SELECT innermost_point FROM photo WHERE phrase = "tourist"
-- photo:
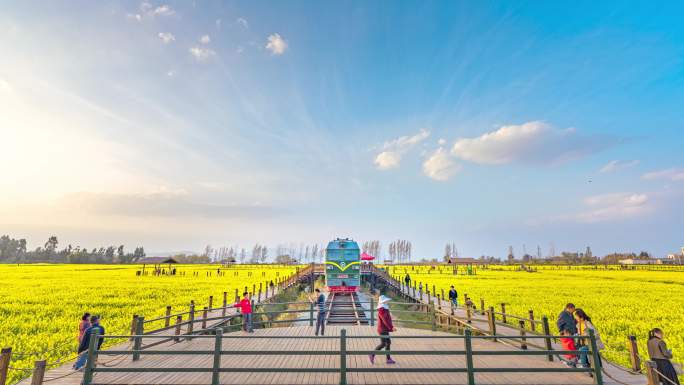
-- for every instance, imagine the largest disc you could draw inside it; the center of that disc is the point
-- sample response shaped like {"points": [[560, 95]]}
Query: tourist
{"points": [[245, 306], [385, 326], [453, 296], [568, 343], [583, 326], [407, 280], [320, 303], [661, 355], [83, 326], [420, 287], [566, 320], [85, 341]]}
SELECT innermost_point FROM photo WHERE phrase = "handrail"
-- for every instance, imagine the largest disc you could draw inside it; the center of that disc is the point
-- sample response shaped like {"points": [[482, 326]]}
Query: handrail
{"points": [[342, 352]]}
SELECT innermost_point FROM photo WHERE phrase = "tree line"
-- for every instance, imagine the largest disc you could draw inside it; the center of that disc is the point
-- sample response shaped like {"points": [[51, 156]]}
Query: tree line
{"points": [[15, 251]]}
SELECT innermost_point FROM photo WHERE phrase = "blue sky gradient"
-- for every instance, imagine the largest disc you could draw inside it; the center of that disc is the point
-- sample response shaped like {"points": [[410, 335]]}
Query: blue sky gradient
{"points": [[178, 124]]}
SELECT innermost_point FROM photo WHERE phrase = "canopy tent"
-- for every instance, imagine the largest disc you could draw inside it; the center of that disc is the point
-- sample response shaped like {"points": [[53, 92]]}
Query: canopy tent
{"points": [[367, 257]]}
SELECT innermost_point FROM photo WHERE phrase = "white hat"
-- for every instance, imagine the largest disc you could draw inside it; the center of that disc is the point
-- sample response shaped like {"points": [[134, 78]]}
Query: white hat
{"points": [[382, 302]]}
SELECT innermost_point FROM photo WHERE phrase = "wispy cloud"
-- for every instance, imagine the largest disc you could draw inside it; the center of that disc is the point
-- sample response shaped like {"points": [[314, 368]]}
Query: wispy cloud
{"points": [[276, 44], [201, 53], [531, 142], [395, 149], [163, 10], [613, 206], [615, 165], [205, 39], [440, 166], [166, 37], [672, 174]]}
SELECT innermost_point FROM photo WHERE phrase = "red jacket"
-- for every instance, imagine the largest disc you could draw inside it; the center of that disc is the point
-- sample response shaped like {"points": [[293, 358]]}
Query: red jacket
{"points": [[245, 306], [384, 321], [568, 344]]}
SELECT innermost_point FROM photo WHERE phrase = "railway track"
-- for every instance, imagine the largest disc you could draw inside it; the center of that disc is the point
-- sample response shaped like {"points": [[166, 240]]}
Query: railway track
{"points": [[345, 308]]}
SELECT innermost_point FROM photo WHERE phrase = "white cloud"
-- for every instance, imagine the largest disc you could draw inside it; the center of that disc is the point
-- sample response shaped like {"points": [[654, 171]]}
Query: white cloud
{"points": [[218, 23], [439, 166], [441, 141], [276, 44], [201, 53], [613, 206], [673, 174], [615, 165], [166, 37], [242, 22], [393, 150], [205, 39], [531, 142], [163, 10], [5, 86], [171, 73], [387, 160]]}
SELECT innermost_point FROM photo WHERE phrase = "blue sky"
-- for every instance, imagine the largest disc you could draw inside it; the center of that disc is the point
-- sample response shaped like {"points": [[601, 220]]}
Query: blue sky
{"points": [[178, 124]]}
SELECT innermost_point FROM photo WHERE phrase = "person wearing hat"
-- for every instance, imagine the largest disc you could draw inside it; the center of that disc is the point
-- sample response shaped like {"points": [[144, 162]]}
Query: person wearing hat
{"points": [[385, 326], [85, 341]]}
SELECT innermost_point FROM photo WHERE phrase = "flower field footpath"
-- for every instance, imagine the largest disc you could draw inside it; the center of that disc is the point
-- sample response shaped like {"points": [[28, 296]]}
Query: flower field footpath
{"points": [[42, 304]]}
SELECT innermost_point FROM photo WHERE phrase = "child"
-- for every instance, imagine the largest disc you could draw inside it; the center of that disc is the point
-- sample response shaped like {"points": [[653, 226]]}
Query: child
{"points": [[568, 343]]}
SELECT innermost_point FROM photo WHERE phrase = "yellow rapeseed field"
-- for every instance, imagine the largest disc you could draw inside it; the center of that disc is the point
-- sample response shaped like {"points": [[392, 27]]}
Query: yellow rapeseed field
{"points": [[621, 303], [42, 304]]}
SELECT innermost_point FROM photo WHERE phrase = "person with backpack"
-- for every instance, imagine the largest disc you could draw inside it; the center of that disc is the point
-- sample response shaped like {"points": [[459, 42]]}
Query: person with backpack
{"points": [[661, 355], [85, 341], [385, 327]]}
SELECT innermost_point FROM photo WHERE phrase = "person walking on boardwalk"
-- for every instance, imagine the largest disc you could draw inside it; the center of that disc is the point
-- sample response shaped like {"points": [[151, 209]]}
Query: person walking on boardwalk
{"points": [[319, 301], [385, 326], [245, 306], [407, 280], [661, 355], [566, 320], [85, 342], [583, 326], [83, 326], [453, 296]]}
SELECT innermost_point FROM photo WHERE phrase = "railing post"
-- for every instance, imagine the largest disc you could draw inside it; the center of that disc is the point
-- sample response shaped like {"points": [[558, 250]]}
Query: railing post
{"points": [[259, 297], [469, 314], [311, 315], [492, 322], [503, 312], [652, 376], [167, 319], [343, 357], [179, 320], [204, 318], [595, 358], [92, 354], [634, 354], [237, 296], [443, 298], [5, 356], [225, 303], [523, 340], [191, 319], [533, 327], [547, 340], [253, 289], [217, 357], [469, 357], [38, 373], [137, 340], [433, 316], [482, 306], [372, 313], [211, 302], [134, 324]]}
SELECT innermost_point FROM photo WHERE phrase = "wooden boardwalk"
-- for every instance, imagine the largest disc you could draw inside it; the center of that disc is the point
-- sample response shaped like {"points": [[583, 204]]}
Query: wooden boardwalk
{"points": [[323, 361]]}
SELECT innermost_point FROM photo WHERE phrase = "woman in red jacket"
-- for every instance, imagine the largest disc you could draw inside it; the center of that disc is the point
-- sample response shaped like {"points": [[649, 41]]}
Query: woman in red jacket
{"points": [[385, 326]]}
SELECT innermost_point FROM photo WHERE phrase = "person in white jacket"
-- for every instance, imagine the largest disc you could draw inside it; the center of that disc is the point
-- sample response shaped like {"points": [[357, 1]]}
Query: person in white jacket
{"points": [[584, 324]]}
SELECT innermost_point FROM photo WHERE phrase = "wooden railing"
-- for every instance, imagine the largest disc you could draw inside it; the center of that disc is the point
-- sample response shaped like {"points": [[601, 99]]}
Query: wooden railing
{"points": [[343, 353]]}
